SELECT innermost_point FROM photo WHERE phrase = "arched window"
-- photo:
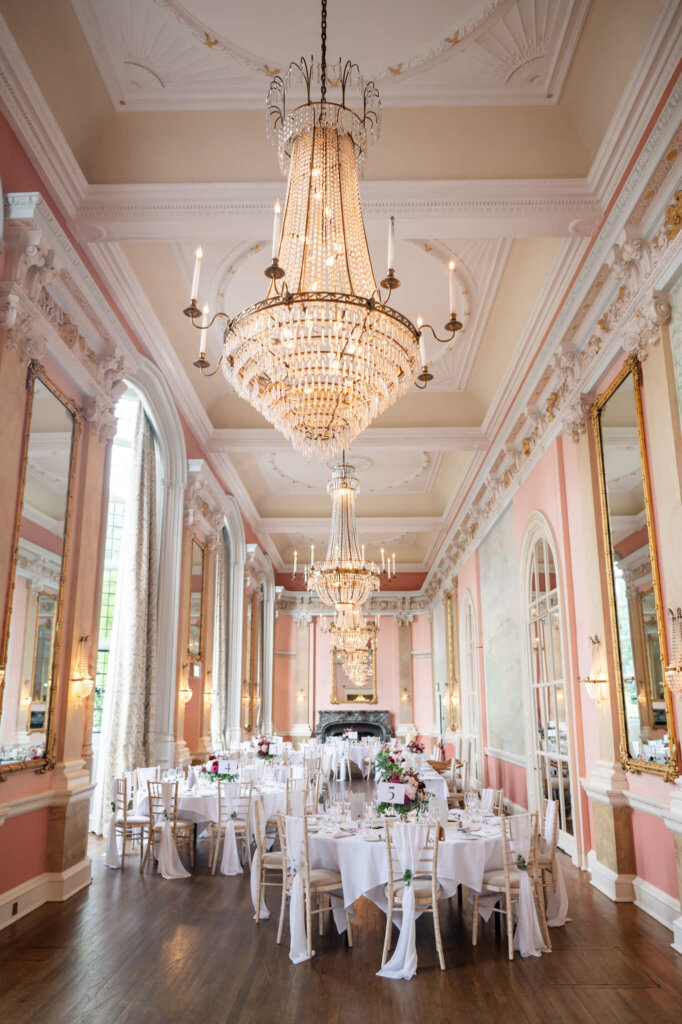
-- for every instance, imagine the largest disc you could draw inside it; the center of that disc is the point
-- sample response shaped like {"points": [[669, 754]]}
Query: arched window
{"points": [[551, 754], [470, 702]]}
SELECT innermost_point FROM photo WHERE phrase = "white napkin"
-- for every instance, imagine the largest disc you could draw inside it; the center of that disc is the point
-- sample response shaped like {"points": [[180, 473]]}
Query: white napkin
{"points": [[191, 778], [170, 865], [298, 943], [229, 864], [439, 807], [409, 840], [557, 902], [487, 801], [263, 913], [527, 937]]}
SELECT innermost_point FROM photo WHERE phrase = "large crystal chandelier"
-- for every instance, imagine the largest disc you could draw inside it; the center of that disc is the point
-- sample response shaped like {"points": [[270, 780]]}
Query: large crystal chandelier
{"points": [[323, 353], [344, 579], [349, 632]]}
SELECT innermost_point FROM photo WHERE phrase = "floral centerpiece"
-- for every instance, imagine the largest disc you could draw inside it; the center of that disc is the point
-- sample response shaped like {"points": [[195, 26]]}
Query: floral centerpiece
{"points": [[262, 746], [210, 770], [348, 734], [391, 767], [415, 747]]}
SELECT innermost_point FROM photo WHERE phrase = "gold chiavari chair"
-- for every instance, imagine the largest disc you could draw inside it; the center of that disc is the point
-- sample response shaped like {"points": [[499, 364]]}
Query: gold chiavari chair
{"points": [[183, 831], [505, 883], [128, 824], [545, 859], [424, 884], [319, 885]]}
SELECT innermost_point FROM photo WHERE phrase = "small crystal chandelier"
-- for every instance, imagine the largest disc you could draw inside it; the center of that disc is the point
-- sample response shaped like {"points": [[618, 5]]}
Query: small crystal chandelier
{"points": [[349, 632], [673, 671], [344, 579], [323, 354]]}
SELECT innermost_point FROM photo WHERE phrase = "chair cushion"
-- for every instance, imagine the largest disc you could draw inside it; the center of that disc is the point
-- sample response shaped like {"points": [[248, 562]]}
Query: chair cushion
{"points": [[320, 878], [496, 879], [420, 886], [272, 861], [133, 820]]}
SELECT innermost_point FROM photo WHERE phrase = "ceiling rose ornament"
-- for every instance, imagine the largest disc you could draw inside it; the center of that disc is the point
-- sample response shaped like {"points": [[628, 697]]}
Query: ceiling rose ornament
{"points": [[323, 354]]}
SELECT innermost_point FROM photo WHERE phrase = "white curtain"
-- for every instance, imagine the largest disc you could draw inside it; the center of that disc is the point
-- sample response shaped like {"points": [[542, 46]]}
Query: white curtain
{"points": [[219, 676], [126, 740]]}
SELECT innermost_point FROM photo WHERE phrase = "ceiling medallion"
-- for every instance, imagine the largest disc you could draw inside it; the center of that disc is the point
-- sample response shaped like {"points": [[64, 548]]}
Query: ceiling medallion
{"points": [[323, 354]]}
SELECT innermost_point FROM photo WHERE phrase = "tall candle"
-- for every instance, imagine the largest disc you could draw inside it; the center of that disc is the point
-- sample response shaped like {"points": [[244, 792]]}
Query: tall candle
{"points": [[312, 553], [203, 333], [391, 243], [363, 554], [197, 270], [383, 563], [295, 561], [394, 563], [451, 267], [275, 231]]}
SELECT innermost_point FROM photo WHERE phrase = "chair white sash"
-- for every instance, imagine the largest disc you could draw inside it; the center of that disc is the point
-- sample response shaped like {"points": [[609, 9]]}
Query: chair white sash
{"points": [[229, 865], [263, 913], [528, 936], [557, 900], [298, 943], [487, 799], [170, 865], [409, 840]]}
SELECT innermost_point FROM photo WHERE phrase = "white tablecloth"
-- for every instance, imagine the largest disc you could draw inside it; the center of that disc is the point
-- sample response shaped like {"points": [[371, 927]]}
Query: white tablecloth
{"points": [[202, 807], [363, 865]]}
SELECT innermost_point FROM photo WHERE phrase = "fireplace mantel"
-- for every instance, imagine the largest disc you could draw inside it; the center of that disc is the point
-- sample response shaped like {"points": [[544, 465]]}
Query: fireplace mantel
{"points": [[367, 723]]}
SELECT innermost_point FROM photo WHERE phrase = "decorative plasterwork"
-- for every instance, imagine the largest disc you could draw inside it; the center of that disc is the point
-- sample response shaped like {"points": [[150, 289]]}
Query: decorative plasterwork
{"points": [[159, 55], [41, 567], [389, 602], [632, 310]]}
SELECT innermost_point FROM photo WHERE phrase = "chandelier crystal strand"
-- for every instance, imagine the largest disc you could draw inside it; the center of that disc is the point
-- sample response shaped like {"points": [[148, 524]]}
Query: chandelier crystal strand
{"points": [[343, 578]]}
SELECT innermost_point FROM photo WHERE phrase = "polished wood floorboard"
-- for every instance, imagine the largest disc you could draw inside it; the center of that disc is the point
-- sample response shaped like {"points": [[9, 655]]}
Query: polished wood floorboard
{"points": [[137, 949]]}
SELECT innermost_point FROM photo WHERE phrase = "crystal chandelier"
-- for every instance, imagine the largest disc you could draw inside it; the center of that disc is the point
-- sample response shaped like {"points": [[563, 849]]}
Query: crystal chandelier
{"points": [[323, 353], [344, 579], [349, 632]]}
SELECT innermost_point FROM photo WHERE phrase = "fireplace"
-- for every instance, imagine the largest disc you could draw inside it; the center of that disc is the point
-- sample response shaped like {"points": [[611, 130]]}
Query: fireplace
{"points": [[365, 723]]}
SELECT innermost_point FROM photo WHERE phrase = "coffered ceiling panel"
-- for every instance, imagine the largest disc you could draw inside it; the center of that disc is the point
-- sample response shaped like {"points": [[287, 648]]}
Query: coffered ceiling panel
{"points": [[198, 54]]}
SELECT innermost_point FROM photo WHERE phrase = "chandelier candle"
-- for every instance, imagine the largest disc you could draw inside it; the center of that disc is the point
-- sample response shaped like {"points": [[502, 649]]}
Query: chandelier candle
{"points": [[194, 297], [391, 245], [275, 231], [451, 267], [204, 332]]}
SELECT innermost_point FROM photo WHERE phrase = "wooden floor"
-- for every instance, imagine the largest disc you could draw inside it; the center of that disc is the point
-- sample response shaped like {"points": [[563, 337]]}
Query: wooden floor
{"points": [[139, 949]]}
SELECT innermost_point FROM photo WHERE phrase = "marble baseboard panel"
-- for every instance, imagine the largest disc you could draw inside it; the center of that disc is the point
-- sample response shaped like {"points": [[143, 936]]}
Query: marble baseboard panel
{"points": [[618, 887], [50, 887]]}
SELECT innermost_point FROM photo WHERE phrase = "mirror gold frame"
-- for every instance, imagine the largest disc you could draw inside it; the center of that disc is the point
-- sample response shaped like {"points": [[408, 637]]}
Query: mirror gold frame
{"points": [[196, 655], [36, 371], [668, 770], [333, 699]]}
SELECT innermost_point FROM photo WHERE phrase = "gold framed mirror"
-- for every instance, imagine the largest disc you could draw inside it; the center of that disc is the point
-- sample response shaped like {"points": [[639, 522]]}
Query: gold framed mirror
{"points": [[196, 600], [647, 724], [344, 690], [30, 642]]}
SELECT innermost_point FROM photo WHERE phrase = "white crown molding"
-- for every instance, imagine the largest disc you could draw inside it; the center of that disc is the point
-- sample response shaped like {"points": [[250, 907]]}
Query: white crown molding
{"points": [[366, 524], [553, 207], [432, 439], [654, 69]]}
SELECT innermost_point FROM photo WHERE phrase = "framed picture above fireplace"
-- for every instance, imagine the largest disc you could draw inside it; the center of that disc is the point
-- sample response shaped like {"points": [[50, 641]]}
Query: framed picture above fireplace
{"points": [[344, 690]]}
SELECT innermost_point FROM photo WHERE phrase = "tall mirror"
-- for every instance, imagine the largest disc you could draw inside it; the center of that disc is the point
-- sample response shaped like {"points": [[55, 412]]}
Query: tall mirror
{"points": [[638, 623], [33, 615], [196, 601], [349, 690]]}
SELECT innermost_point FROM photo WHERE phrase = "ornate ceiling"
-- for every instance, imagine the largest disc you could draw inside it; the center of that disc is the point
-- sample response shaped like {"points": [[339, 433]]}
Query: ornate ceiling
{"points": [[507, 125]]}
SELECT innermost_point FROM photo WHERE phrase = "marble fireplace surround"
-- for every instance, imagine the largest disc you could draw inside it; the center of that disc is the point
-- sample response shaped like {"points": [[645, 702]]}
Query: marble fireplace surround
{"points": [[367, 723]]}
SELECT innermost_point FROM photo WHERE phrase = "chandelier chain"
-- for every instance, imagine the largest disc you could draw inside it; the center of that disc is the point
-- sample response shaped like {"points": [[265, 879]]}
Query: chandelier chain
{"points": [[323, 62]]}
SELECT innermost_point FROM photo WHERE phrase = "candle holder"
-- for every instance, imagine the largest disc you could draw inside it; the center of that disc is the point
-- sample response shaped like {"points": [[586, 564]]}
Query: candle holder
{"points": [[274, 271], [192, 311], [424, 376], [390, 282]]}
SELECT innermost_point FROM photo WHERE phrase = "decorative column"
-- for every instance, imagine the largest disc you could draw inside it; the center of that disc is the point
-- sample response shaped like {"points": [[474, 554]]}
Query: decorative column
{"points": [[405, 726], [304, 625], [168, 610]]}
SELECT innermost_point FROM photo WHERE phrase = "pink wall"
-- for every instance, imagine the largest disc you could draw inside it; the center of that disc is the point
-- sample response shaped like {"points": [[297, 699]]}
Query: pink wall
{"points": [[654, 851], [23, 845], [284, 682]]}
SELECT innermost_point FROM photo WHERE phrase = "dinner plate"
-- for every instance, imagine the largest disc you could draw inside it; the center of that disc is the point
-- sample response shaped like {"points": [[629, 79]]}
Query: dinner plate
{"points": [[373, 839]]}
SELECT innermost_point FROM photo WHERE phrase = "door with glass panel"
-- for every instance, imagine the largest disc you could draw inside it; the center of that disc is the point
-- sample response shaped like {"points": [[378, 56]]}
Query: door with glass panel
{"points": [[552, 763]]}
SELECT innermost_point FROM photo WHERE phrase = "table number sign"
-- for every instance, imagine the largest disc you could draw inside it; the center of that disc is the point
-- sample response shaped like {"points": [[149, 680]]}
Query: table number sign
{"points": [[391, 793], [224, 767], [233, 767]]}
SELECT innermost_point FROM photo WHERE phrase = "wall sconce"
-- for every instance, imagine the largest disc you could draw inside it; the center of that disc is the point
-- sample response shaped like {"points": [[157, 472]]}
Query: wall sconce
{"points": [[404, 696], [597, 683], [82, 679], [208, 697], [673, 671], [300, 697], [185, 693], [246, 696]]}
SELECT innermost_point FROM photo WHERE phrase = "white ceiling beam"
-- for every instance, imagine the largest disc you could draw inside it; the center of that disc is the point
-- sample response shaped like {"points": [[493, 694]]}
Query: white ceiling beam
{"points": [[554, 207], [366, 524], [432, 439]]}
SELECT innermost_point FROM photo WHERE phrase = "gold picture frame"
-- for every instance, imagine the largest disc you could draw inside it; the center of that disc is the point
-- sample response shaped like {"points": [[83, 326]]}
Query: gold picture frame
{"points": [[360, 698], [668, 770], [37, 372]]}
